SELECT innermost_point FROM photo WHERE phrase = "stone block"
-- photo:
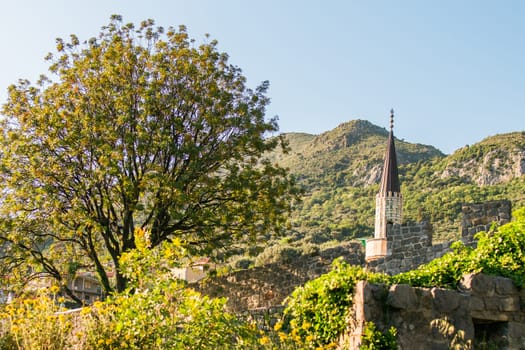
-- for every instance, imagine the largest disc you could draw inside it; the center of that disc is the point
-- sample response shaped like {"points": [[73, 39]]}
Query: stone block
{"points": [[476, 303], [490, 315], [446, 301], [509, 304], [402, 296], [478, 284], [415, 229], [397, 255], [505, 286], [492, 303]]}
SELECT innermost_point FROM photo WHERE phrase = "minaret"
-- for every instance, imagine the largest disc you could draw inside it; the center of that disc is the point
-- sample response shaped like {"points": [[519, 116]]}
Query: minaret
{"points": [[389, 202]]}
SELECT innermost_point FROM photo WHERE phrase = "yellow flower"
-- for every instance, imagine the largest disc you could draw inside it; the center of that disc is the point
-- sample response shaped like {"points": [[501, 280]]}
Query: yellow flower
{"points": [[54, 289], [278, 326], [283, 336], [309, 338], [264, 340]]}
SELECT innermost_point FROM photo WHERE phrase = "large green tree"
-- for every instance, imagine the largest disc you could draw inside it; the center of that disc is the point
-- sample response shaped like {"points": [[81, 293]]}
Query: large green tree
{"points": [[137, 128]]}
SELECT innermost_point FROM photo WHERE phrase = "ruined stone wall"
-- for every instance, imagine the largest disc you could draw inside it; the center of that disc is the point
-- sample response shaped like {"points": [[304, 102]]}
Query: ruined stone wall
{"points": [[480, 217], [487, 312], [266, 286], [408, 248], [411, 246]]}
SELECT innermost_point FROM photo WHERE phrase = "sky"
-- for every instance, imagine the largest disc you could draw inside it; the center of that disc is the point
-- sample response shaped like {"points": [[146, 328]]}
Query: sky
{"points": [[453, 71]]}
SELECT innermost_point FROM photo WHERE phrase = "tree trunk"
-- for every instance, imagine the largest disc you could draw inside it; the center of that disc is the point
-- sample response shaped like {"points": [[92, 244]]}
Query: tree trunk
{"points": [[72, 295]]}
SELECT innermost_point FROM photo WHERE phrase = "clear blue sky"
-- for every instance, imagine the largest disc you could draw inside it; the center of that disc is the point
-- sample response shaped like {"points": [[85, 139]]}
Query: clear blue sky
{"points": [[454, 71]]}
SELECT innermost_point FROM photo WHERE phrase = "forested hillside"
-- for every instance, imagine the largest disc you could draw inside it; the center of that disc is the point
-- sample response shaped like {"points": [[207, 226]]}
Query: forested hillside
{"points": [[340, 170]]}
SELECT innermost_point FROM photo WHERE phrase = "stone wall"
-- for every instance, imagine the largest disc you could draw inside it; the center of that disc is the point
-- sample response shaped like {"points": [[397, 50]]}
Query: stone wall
{"points": [[408, 248], [486, 312], [480, 217], [269, 285], [411, 246]]}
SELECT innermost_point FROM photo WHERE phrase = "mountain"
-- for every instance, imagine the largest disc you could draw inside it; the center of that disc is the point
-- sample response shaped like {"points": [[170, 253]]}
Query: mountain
{"points": [[351, 154], [340, 172]]}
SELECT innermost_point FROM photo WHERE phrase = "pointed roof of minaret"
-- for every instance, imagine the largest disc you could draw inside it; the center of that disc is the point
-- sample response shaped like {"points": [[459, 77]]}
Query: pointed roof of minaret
{"points": [[390, 176]]}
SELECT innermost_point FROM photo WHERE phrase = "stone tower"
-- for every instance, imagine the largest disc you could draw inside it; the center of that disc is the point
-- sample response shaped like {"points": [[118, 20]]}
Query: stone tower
{"points": [[389, 202]]}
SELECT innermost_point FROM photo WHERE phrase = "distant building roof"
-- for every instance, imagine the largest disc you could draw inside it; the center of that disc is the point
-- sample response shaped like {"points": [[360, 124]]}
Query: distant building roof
{"points": [[390, 176]]}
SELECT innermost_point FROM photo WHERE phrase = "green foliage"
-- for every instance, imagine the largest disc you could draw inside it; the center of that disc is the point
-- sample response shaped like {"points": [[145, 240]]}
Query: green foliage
{"points": [[138, 127], [277, 253], [318, 310], [499, 252], [502, 252], [165, 317], [443, 272], [374, 339]]}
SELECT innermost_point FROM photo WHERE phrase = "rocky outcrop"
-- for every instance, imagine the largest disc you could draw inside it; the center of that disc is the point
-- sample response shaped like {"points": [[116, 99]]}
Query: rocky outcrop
{"points": [[486, 312], [493, 168], [495, 160]]}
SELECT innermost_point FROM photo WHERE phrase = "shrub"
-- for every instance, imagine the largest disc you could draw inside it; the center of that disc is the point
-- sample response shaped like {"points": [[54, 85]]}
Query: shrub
{"points": [[166, 317], [277, 253], [34, 323], [444, 272], [374, 339], [244, 263], [318, 310], [502, 251], [499, 252]]}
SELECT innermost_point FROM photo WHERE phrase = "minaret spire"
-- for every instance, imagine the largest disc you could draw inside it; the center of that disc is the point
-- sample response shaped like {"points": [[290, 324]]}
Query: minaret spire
{"points": [[392, 120], [389, 201], [390, 176]]}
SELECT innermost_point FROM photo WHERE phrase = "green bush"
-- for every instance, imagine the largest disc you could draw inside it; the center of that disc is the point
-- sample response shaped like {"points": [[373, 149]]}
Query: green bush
{"points": [[374, 339], [244, 263], [166, 317], [318, 310], [277, 253], [499, 252], [444, 272]]}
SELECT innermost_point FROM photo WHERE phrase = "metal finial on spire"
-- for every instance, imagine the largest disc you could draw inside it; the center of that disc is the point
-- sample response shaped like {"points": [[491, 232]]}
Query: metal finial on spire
{"points": [[391, 119]]}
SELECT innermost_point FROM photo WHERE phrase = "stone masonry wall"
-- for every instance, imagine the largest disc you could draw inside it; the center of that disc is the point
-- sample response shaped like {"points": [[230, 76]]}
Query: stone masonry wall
{"points": [[408, 247], [266, 286], [486, 312], [480, 217], [411, 246]]}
